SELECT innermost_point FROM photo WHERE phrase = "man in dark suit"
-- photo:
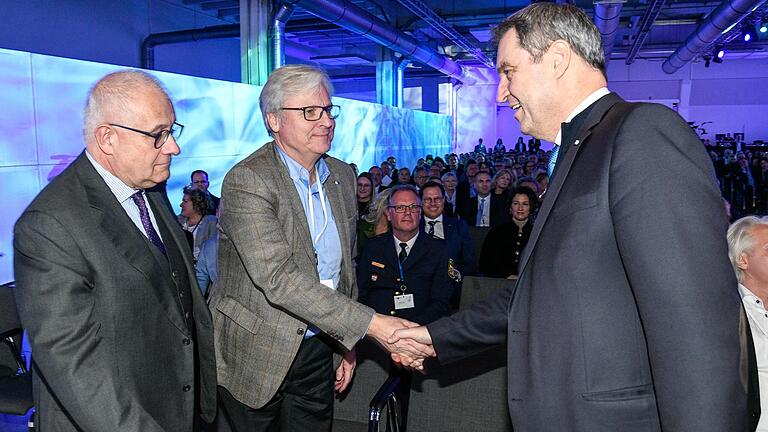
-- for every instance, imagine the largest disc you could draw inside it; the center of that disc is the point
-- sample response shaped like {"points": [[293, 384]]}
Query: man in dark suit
{"points": [[485, 209], [619, 321], [461, 247], [200, 181], [121, 335], [404, 273]]}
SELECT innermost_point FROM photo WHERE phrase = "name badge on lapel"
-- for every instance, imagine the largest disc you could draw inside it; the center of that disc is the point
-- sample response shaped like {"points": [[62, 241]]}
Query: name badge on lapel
{"points": [[404, 301]]}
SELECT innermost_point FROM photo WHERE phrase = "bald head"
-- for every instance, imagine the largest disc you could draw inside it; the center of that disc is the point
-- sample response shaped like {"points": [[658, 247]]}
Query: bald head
{"points": [[112, 99]]}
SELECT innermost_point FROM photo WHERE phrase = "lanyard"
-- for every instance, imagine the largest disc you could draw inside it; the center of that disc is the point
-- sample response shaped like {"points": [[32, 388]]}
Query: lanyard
{"points": [[312, 209]]}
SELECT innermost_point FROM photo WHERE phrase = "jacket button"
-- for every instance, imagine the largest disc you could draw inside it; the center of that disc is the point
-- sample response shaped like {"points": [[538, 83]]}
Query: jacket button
{"points": [[187, 388], [299, 331], [186, 341], [391, 312], [174, 274]]}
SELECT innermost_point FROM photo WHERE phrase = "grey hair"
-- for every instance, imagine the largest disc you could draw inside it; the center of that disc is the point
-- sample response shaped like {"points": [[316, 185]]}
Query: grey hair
{"points": [[448, 174], [113, 95], [740, 240], [403, 187], [290, 80], [377, 206], [540, 24]]}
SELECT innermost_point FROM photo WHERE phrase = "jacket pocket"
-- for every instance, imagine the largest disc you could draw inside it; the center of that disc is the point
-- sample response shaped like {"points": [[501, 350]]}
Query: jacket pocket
{"points": [[577, 204], [627, 393], [241, 315]]}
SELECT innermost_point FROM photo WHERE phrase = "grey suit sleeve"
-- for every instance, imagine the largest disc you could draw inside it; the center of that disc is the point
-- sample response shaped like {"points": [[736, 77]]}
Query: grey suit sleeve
{"points": [[662, 192], [55, 297], [251, 222]]}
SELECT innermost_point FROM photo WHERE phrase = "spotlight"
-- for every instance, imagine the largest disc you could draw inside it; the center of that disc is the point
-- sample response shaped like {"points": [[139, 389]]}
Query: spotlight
{"points": [[718, 54], [748, 35], [763, 27]]}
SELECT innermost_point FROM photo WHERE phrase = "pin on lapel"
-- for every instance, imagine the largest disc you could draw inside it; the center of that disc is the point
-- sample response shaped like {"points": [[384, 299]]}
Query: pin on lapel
{"points": [[336, 182]]}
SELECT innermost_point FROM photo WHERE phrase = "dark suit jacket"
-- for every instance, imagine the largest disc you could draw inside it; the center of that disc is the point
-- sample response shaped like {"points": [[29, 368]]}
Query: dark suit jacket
{"points": [[503, 248], [111, 346], [426, 277], [461, 247], [624, 317], [499, 211]]}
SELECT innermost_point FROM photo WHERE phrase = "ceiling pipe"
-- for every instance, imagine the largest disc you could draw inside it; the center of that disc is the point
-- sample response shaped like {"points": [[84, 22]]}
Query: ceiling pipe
{"points": [[153, 40], [722, 19], [644, 28], [357, 20], [607, 17], [277, 34]]}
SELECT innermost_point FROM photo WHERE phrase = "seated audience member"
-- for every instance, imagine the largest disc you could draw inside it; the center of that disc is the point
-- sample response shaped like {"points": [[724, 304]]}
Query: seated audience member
{"points": [[420, 176], [466, 186], [404, 273], [364, 193], [386, 172], [748, 252], [199, 180], [435, 171], [484, 210], [542, 179], [461, 247], [374, 222], [196, 219], [449, 184], [504, 244], [376, 176], [404, 176], [502, 184], [530, 183]]}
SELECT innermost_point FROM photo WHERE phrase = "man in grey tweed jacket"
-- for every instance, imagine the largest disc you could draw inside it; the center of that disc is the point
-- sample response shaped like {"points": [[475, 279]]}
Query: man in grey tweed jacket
{"points": [[285, 298]]}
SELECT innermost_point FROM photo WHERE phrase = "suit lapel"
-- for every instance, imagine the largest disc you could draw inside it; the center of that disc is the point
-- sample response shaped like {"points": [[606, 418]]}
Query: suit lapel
{"points": [[123, 234], [414, 255], [601, 107], [287, 187]]}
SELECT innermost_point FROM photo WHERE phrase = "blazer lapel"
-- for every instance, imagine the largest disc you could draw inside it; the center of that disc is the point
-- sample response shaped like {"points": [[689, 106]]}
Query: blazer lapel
{"points": [[415, 254], [283, 178], [334, 192], [553, 190], [122, 233]]}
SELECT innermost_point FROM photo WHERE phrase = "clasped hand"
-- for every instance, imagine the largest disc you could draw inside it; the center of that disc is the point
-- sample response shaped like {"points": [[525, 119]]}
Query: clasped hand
{"points": [[408, 343]]}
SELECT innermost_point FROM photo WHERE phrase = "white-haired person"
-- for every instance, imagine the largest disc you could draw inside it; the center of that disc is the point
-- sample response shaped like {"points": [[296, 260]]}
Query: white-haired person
{"points": [[748, 252]]}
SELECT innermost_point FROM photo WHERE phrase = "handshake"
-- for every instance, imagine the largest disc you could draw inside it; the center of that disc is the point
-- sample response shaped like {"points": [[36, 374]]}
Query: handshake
{"points": [[407, 343]]}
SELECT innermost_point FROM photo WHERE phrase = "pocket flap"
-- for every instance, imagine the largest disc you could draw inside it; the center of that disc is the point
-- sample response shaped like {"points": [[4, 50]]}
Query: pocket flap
{"points": [[238, 313]]}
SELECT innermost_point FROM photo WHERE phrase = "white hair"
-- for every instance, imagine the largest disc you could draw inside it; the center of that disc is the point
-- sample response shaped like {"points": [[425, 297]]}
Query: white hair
{"points": [[740, 240], [113, 95], [290, 80]]}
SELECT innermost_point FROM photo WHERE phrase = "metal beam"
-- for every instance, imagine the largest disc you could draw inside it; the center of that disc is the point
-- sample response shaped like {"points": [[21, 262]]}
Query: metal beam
{"points": [[646, 22]]}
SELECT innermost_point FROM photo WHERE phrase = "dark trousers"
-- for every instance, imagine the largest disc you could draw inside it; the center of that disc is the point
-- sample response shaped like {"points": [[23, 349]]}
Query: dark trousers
{"points": [[304, 401]]}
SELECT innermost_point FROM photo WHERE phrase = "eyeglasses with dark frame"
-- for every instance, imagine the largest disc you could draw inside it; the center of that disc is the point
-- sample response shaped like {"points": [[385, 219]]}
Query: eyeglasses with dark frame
{"points": [[160, 137], [413, 208], [314, 112]]}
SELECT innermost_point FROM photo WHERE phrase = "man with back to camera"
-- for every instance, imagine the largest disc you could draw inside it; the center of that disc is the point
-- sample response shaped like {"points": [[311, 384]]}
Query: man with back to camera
{"points": [[284, 298], [616, 322], [106, 289]]}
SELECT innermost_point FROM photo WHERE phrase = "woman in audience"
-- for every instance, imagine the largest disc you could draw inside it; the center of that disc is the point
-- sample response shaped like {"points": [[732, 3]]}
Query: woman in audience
{"points": [[505, 242], [364, 193], [502, 184], [543, 180], [373, 222], [194, 218], [450, 181]]}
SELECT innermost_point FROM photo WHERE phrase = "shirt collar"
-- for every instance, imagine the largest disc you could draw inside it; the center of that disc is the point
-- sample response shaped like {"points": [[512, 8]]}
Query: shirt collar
{"points": [[439, 218], [589, 100], [746, 293], [409, 243], [298, 172], [121, 190]]}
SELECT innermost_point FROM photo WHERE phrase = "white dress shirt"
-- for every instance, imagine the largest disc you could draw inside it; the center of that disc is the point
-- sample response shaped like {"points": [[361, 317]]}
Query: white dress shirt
{"points": [[589, 100], [408, 244], [123, 194], [758, 323], [439, 227]]}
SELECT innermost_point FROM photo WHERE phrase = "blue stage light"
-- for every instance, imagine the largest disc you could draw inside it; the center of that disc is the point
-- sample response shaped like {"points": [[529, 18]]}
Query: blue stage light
{"points": [[720, 53], [747, 36], [763, 28]]}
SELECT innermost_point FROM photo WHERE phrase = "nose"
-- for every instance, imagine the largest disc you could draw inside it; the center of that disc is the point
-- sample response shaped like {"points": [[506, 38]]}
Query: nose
{"points": [[326, 120], [502, 92], [171, 146]]}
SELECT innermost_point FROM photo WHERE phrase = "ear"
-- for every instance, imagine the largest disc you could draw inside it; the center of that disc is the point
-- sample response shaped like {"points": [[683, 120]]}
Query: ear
{"points": [[743, 262], [274, 122], [387, 214], [560, 54], [106, 138]]}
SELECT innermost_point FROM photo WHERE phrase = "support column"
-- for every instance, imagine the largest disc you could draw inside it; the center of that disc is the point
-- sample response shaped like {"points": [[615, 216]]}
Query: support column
{"points": [[386, 77], [255, 57]]}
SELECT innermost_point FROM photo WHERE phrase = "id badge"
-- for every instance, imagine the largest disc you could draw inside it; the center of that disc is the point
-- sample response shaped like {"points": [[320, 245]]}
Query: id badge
{"points": [[404, 301]]}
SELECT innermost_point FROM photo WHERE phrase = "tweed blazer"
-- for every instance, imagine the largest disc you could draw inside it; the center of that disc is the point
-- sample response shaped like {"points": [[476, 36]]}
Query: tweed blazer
{"points": [[268, 290]]}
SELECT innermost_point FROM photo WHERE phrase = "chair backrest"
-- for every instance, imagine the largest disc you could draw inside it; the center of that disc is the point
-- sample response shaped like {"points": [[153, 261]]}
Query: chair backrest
{"points": [[478, 236], [9, 316]]}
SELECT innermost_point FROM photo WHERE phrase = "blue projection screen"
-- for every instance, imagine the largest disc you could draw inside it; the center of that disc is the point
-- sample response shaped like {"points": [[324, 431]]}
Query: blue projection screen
{"points": [[42, 100]]}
